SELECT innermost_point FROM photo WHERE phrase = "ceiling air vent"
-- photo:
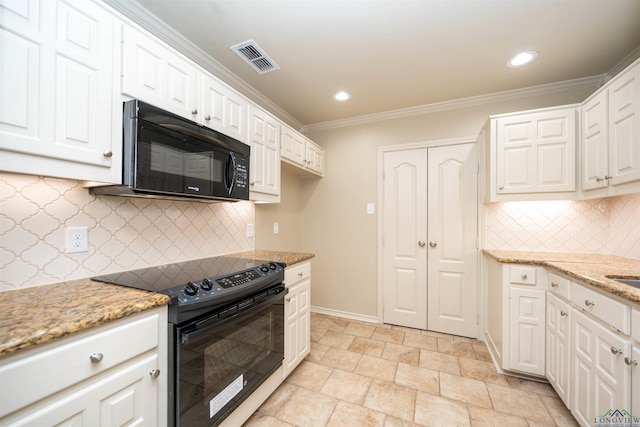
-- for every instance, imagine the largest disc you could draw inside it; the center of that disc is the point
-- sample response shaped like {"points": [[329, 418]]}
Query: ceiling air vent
{"points": [[255, 56]]}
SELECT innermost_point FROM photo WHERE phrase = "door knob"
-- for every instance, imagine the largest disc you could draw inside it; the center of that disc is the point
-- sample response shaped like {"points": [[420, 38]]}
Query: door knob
{"points": [[433, 244], [421, 243]]}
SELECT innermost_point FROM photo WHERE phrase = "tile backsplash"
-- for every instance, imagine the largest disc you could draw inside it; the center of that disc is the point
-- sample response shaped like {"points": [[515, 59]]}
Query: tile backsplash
{"points": [[124, 233], [609, 226]]}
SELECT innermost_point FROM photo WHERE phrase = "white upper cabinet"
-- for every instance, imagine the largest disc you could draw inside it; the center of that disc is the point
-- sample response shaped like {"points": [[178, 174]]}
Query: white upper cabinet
{"points": [[264, 174], [223, 109], [531, 155], [300, 151], [59, 70], [155, 73], [610, 140]]}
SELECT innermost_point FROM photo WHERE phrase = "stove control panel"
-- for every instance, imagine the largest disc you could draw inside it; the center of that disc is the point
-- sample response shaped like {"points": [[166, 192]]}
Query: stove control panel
{"points": [[211, 287]]}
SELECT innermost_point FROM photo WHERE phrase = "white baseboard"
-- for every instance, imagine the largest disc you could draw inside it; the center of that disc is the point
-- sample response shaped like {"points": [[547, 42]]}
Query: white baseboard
{"points": [[344, 314]]}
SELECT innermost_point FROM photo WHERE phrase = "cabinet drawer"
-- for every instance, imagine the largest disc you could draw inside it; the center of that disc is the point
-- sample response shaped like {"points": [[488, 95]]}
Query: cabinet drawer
{"points": [[297, 273], [559, 285], [611, 312], [51, 369], [523, 275]]}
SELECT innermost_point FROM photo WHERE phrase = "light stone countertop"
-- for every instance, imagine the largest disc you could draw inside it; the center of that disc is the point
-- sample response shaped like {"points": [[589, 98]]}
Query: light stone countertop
{"points": [[39, 314], [592, 269]]}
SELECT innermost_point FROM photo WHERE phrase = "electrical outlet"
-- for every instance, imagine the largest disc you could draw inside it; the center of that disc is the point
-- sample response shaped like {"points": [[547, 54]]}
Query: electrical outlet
{"points": [[77, 240], [276, 228], [250, 230]]}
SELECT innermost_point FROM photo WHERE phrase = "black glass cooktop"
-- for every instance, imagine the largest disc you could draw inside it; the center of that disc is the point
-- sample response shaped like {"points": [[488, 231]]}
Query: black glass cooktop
{"points": [[164, 277]]}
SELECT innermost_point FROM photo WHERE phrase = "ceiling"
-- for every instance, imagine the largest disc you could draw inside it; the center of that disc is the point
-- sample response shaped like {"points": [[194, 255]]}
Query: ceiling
{"points": [[396, 54]]}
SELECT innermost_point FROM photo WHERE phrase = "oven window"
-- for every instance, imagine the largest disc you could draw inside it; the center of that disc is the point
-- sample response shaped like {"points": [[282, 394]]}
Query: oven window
{"points": [[218, 369]]}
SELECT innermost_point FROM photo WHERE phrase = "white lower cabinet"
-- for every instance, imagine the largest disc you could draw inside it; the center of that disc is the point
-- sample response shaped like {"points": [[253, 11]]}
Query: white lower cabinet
{"points": [[558, 349], [601, 380], [297, 335], [112, 375], [516, 329]]}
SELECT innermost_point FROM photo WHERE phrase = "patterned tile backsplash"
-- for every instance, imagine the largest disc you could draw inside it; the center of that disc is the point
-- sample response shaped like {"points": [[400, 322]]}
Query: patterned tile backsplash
{"points": [[610, 225], [123, 233]]}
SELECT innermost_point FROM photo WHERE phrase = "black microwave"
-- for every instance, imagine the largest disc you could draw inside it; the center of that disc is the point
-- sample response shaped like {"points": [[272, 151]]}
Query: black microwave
{"points": [[167, 156]]}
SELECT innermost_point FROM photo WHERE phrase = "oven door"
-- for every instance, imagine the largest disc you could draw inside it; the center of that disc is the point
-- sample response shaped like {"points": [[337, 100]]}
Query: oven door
{"points": [[221, 359]]}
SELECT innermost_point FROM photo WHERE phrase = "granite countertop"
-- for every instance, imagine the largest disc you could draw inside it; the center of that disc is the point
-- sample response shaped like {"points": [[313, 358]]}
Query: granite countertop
{"points": [[592, 269], [39, 314]]}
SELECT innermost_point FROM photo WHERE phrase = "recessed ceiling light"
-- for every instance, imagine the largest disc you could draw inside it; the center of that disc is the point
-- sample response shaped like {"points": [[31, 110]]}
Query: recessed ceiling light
{"points": [[522, 58], [342, 96]]}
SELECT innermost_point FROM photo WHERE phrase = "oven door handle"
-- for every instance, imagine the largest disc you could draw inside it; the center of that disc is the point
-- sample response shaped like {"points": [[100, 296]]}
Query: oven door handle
{"points": [[205, 326]]}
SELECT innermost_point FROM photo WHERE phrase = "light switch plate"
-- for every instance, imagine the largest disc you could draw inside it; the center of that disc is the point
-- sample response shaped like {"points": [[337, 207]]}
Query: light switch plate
{"points": [[250, 230], [370, 209]]}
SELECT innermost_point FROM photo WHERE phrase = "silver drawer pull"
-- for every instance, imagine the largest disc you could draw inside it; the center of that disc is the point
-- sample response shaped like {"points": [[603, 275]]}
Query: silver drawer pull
{"points": [[630, 362], [589, 303], [615, 350], [96, 357], [207, 118], [289, 299], [554, 285], [300, 274], [598, 179], [155, 373], [194, 111], [108, 153], [563, 313], [501, 187], [524, 276]]}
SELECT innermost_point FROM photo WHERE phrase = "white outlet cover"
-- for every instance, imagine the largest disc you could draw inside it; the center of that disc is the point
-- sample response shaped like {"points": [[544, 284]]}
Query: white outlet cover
{"points": [[276, 228], [250, 230], [77, 240]]}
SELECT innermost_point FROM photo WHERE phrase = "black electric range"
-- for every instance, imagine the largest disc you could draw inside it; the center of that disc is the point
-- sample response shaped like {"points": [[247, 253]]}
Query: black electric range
{"points": [[199, 286]]}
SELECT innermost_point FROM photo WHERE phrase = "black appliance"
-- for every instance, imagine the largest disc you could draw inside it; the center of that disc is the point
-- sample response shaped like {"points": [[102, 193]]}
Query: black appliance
{"points": [[226, 331], [167, 156]]}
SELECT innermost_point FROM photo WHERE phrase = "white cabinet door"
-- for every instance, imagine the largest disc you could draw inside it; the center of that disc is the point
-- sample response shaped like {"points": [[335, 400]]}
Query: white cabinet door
{"points": [[536, 152], [292, 146], [223, 109], [527, 331], [624, 126], [155, 74], [635, 379], [264, 137], [595, 164], [297, 312], [558, 354], [117, 400], [314, 158], [601, 379], [58, 115]]}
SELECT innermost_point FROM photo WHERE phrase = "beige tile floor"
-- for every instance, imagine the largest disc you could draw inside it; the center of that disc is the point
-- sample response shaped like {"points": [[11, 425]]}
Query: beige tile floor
{"points": [[363, 374]]}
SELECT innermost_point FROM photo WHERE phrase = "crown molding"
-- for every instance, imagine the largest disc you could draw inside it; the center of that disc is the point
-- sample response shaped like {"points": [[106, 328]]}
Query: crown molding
{"points": [[145, 19], [624, 63], [592, 82]]}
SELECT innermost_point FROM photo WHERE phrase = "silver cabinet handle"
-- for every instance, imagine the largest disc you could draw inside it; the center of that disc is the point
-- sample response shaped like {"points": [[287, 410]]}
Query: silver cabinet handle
{"points": [[607, 177], [598, 179], [433, 244], [155, 373], [289, 299], [96, 357], [615, 350], [630, 362], [501, 187], [554, 285], [524, 276], [421, 243], [563, 313], [300, 274], [207, 118], [194, 111], [589, 303], [108, 153]]}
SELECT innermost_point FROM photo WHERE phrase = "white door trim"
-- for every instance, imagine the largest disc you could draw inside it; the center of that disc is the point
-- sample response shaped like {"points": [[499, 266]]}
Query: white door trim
{"points": [[410, 146]]}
